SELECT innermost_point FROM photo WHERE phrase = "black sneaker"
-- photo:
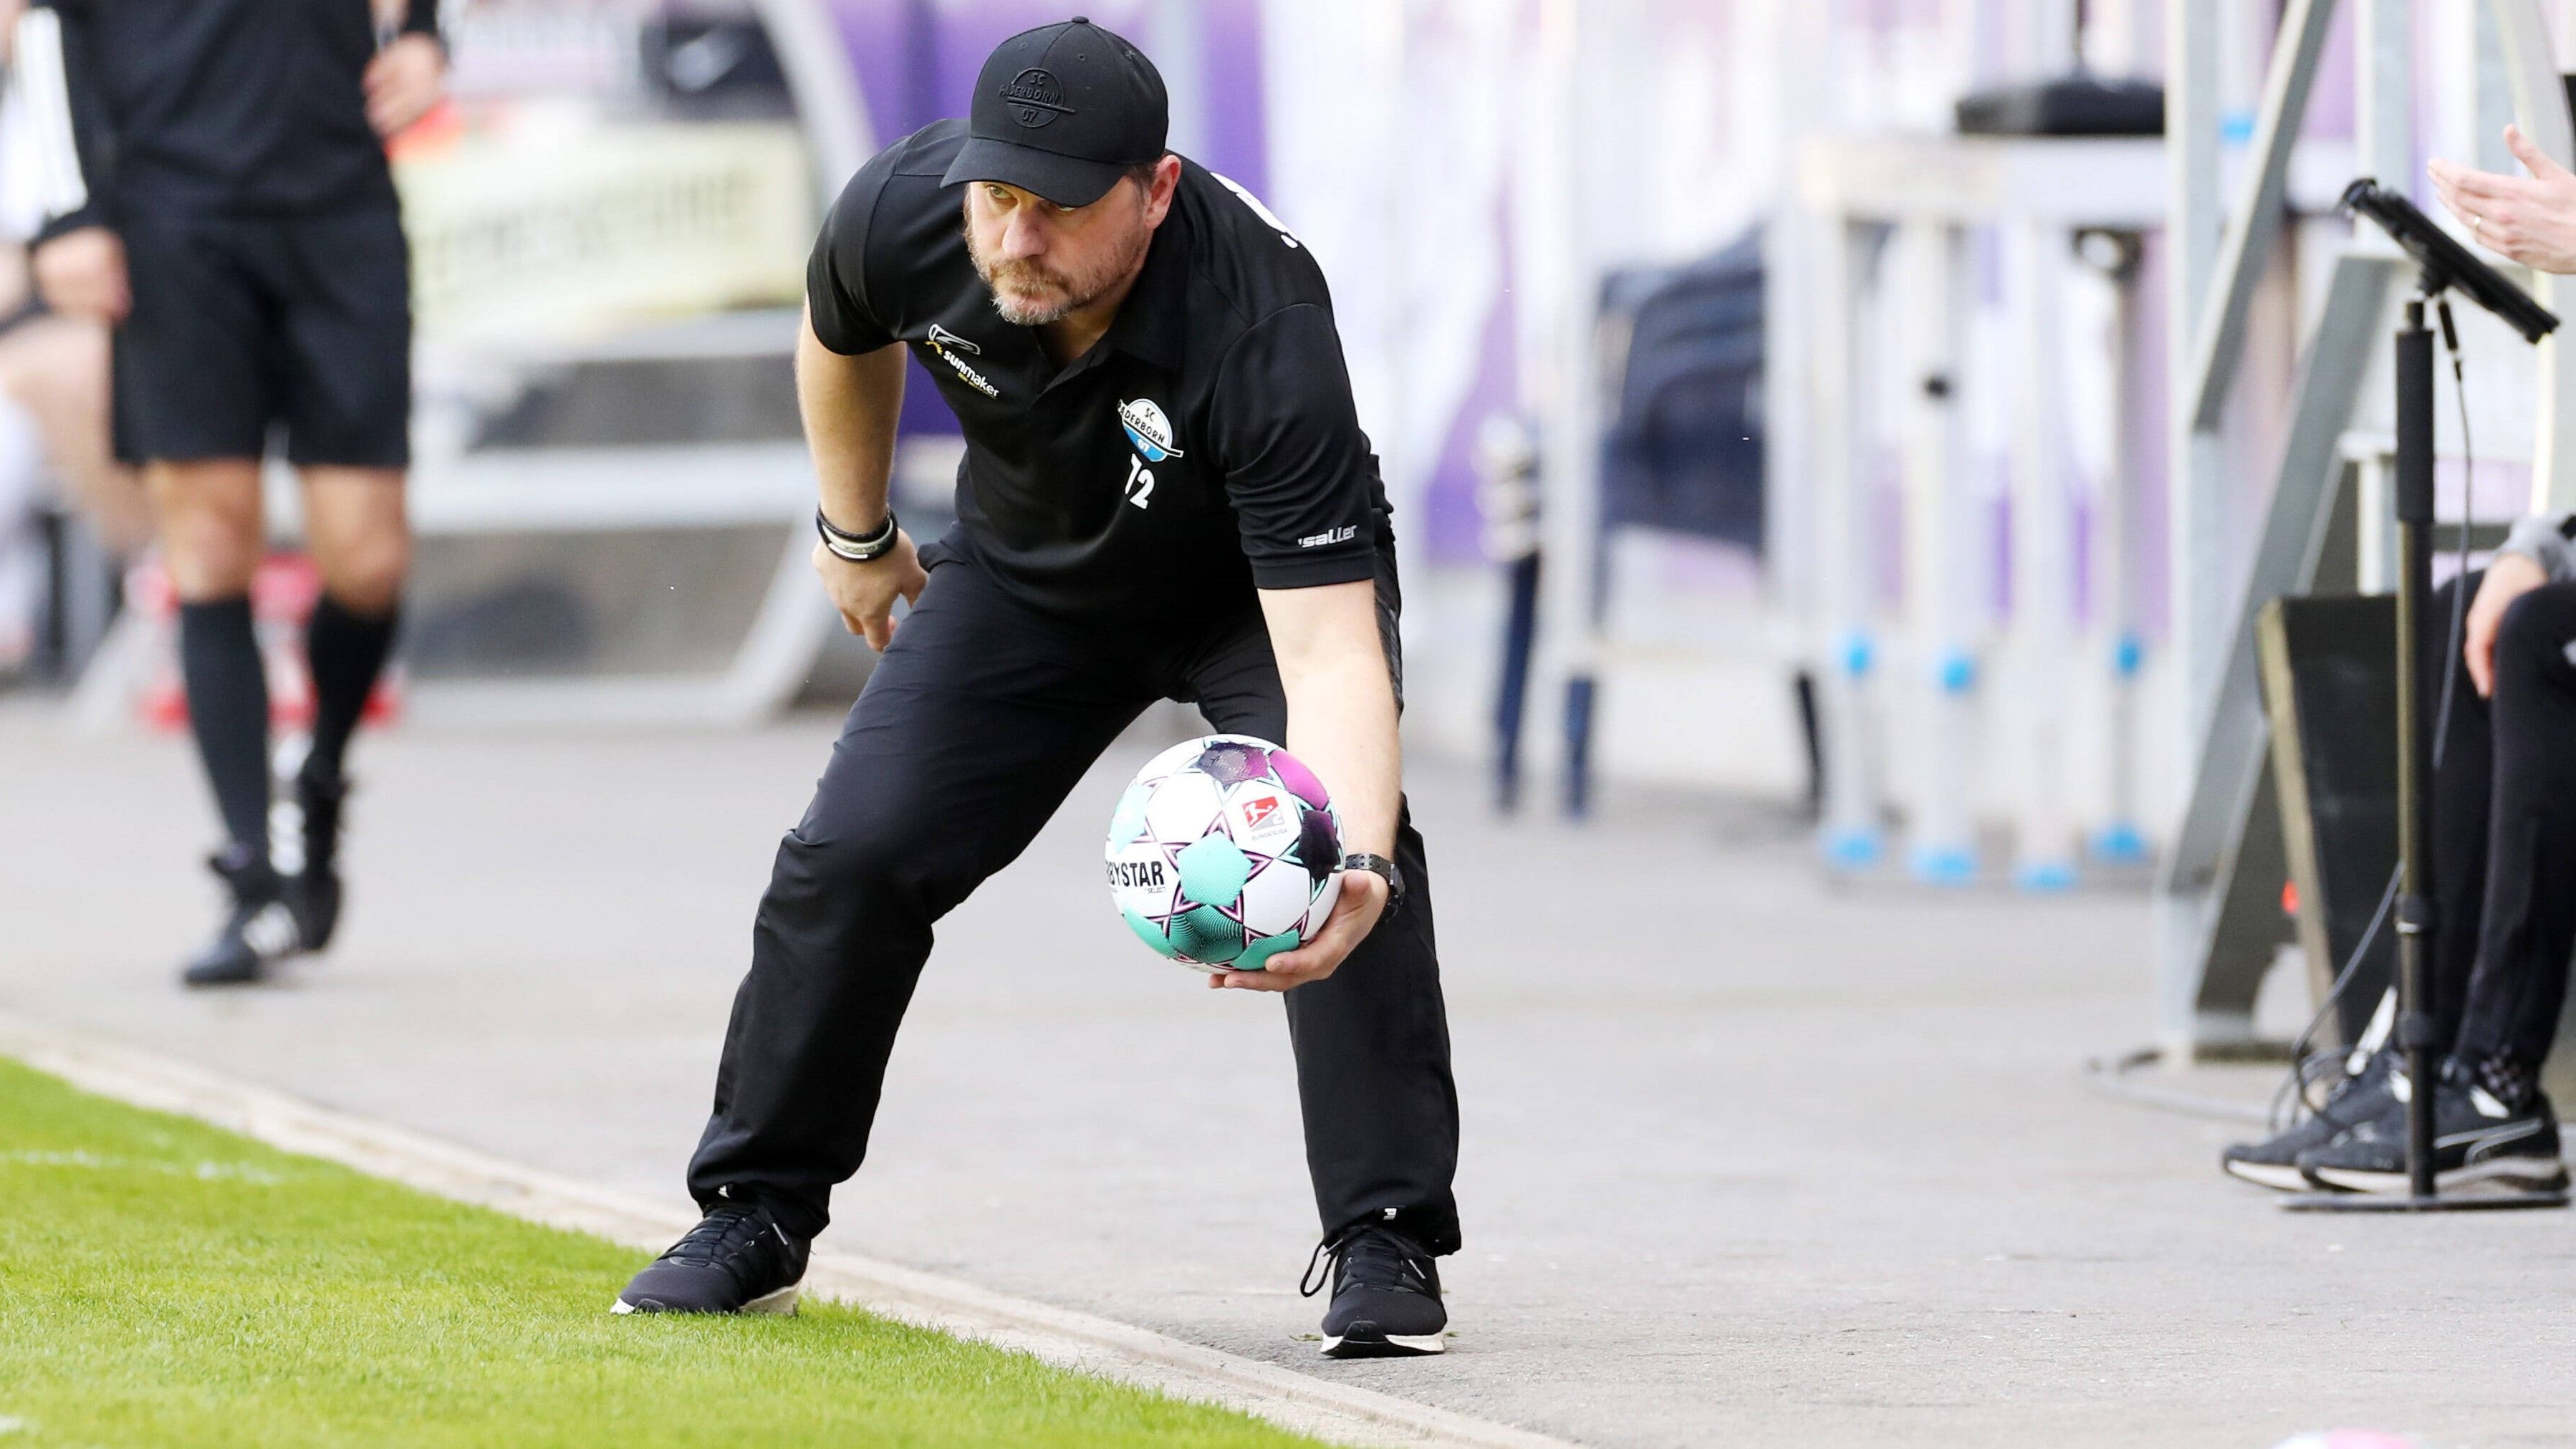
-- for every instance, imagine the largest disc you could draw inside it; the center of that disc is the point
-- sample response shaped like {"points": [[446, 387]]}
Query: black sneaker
{"points": [[739, 1260], [2356, 1099], [1386, 1294], [313, 891], [2477, 1141], [258, 932]]}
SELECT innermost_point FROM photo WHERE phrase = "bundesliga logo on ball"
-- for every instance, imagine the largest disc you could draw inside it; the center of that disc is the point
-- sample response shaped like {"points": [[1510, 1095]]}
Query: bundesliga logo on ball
{"points": [[1224, 852]]}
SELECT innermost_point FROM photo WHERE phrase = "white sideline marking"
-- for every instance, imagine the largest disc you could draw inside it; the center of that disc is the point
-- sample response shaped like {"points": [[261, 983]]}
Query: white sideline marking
{"points": [[1341, 1413]]}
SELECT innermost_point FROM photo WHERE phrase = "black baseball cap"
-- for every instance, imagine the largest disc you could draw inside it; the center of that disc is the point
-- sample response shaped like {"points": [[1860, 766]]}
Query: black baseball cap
{"points": [[1063, 111]]}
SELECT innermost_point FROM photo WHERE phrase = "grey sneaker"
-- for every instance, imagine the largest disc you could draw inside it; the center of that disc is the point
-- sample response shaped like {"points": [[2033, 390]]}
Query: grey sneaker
{"points": [[2477, 1142], [2355, 1099]]}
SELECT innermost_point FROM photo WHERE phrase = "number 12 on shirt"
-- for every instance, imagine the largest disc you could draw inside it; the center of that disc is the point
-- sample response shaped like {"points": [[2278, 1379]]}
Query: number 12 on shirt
{"points": [[1140, 481]]}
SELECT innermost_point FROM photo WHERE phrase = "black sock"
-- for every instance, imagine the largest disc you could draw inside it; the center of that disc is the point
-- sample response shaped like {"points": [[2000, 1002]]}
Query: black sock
{"points": [[228, 712], [346, 653], [2508, 1079]]}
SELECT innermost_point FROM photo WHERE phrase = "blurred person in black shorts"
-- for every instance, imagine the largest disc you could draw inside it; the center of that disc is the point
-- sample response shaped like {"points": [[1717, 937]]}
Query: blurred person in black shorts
{"points": [[215, 187]]}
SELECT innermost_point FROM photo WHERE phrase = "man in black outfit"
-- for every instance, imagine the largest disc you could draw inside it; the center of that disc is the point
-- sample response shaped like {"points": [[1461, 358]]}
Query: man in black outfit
{"points": [[1165, 493], [216, 189]]}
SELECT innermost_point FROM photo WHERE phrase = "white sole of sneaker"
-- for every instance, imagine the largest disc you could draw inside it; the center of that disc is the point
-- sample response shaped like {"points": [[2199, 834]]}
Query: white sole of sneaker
{"points": [[1392, 1345], [2529, 1174], [781, 1302], [2277, 1175]]}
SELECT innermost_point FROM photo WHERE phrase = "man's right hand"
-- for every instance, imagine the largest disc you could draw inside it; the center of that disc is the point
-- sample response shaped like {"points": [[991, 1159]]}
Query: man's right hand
{"points": [[2509, 577], [865, 592], [82, 274]]}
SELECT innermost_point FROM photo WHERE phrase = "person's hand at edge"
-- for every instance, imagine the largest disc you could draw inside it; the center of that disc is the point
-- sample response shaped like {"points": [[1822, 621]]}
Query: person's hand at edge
{"points": [[865, 592], [1355, 913], [2509, 577], [403, 81], [2531, 219], [81, 273]]}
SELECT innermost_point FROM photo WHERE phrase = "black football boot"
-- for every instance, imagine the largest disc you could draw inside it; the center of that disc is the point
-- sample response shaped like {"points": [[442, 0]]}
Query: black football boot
{"points": [[258, 931], [313, 891]]}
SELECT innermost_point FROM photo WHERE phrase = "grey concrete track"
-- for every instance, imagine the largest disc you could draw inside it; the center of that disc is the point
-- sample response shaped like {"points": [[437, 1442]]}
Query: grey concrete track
{"points": [[1747, 1161]]}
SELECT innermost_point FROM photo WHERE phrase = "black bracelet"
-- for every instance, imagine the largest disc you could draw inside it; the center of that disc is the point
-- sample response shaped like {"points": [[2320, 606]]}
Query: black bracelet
{"points": [[856, 547], [1385, 870]]}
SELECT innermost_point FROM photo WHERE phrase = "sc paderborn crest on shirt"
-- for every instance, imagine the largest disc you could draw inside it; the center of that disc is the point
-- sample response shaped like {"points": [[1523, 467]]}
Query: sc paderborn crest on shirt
{"points": [[1148, 429]]}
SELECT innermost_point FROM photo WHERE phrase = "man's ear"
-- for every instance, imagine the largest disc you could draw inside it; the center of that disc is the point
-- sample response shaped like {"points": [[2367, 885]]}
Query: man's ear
{"points": [[1158, 197]]}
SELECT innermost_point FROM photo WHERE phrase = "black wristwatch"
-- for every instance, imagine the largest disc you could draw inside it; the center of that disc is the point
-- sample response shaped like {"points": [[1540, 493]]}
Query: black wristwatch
{"points": [[1384, 869], [856, 547]]}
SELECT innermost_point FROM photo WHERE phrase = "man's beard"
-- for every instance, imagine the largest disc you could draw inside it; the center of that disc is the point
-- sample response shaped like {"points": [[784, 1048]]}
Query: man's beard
{"points": [[1041, 294]]}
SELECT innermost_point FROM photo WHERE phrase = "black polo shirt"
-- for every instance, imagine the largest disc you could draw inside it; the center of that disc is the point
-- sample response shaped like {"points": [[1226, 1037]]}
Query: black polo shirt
{"points": [[186, 108], [1204, 447]]}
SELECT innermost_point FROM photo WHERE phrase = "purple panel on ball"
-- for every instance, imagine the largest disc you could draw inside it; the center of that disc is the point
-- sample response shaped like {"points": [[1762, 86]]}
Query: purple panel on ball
{"points": [[1319, 842], [1301, 782], [1232, 764]]}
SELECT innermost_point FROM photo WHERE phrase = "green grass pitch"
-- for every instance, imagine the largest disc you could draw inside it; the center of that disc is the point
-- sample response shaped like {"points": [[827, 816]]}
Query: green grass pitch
{"points": [[163, 1282]]}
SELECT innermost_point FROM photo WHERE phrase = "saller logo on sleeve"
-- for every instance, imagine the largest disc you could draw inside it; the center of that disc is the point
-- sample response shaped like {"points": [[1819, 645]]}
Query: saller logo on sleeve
{"points": [[1343, 534]]}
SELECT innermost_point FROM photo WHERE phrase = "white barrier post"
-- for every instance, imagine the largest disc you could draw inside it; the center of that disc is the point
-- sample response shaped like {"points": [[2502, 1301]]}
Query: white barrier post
{"points": [[2040, 649], [1935, 291]]}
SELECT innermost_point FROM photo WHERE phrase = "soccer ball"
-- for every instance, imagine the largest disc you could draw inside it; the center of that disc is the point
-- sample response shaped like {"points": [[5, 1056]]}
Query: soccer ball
{"points": [[1224, 852]]}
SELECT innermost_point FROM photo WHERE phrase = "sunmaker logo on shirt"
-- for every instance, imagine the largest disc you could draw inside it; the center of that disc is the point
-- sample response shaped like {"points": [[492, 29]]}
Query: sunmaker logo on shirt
{"points": [[1148, 429], [952, 349]]}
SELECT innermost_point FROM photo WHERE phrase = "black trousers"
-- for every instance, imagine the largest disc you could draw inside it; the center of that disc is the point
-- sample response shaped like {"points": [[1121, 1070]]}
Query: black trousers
{"points": [[2504, 831], [980, 718]]}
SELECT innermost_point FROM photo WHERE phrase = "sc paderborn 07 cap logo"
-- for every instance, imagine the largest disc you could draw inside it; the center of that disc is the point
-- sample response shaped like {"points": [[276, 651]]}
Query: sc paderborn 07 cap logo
{"points": [[1035, 98]]}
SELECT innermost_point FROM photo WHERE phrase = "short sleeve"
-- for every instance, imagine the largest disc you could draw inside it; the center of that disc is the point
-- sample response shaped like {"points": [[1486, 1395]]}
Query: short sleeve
{"points": [[2546, 541], [1297, 467], [836, 291]]}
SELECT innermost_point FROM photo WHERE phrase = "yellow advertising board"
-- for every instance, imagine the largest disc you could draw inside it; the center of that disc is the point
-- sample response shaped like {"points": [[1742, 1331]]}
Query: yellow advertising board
{"points": [[531, 231]]}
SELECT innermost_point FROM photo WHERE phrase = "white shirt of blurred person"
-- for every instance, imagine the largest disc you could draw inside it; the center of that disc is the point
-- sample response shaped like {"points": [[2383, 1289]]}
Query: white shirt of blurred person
{"points": [[53, 398], [2531, 219]]}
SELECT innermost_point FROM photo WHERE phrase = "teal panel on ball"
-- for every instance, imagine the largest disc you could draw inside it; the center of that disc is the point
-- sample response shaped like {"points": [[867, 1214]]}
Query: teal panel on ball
{"points": [[1256, 957], [1128, 820], [1213, 871], [1205, 935], [1151, 934]]}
